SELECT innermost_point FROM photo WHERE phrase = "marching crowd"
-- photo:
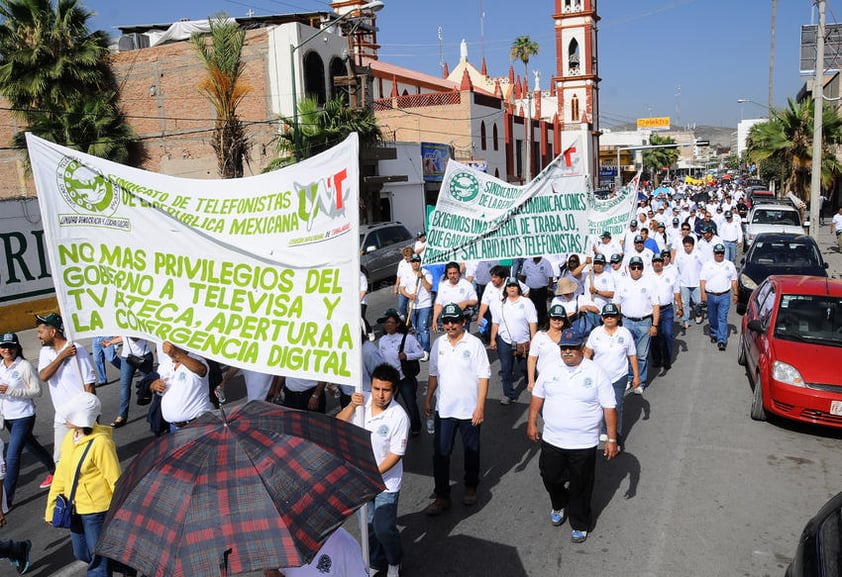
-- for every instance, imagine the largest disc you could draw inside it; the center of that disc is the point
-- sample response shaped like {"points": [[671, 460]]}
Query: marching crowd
{"points": [[577, 332]]}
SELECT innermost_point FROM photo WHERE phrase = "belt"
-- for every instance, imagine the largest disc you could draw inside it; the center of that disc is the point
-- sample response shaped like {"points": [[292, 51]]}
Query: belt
{"points": [[183, 423], [717, 294], [662, 307], [637, 319]]}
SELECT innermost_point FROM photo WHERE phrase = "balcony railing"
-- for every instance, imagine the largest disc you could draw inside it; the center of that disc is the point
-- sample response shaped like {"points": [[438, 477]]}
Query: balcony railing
{"points": [[418, 100]]}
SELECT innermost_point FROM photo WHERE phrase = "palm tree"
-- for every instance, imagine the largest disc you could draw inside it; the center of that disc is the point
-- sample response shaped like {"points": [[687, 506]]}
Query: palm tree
{"points": [[787, 139], [321, 128], [54, 74], [657, 158], [522, 49], [225, 89]]}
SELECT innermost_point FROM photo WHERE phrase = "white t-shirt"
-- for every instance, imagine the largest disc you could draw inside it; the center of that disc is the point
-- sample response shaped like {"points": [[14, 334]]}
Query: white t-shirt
{"points": [[602, 282], [389, 431], [257, 384], [636, 297], [612, 352], [574, 399], [513, 319], [460, 292], [570, 306], [471, 270], [837, 223], [689, 266], [537, 274], [389, 347], [404, 272], [340, 556], [23, 383], [299, 385], [424, 299], [70, 378], [718, 275], [134, 346], [186, 396], [545, 350], [364, 288], [458, 369]]}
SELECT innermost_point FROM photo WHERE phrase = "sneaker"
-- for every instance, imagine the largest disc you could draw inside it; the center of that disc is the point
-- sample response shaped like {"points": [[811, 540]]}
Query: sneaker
{"points": [[393, 571], [470, 497], [720, 346], [638, 390], [713, 339], [557, 517], [22, 564], [505, 400], [578, 536], [437, 507], [425, 357], [45, 484], [686, 325], [603, 437]]}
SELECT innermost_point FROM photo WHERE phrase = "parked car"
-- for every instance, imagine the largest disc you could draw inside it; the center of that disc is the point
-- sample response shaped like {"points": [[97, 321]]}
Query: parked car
{"points": [[777, 253], [819, 548], [772, 218], [791, 332], [380, 249], [757, 193]]}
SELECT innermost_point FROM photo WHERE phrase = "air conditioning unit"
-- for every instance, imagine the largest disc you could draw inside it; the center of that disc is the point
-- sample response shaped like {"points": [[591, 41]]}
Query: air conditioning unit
{"points": [[132, 41]]}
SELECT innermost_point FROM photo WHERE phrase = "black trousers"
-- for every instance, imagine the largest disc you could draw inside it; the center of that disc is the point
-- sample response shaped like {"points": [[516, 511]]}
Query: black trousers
{"points": [[538, 296], [301, 399], [568, 476]]}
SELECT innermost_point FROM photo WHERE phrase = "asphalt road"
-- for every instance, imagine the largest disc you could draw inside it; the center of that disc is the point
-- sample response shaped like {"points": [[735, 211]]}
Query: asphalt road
{"points": [[700, 490]]}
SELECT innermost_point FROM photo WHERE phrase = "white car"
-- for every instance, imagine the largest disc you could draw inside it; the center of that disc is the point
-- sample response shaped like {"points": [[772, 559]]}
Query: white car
{"points": [[772, 218]]}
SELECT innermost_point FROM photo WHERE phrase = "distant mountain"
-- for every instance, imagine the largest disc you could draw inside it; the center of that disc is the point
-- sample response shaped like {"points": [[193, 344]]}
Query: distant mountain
{"points": [[719, 136]]}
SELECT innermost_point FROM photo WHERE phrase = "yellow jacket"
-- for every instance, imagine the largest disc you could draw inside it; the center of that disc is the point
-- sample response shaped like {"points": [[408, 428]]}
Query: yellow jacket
{"points": [[97, 477]]}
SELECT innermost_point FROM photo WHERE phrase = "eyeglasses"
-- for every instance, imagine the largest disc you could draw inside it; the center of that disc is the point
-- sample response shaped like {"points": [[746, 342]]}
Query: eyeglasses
{"points": [[610, 316], [636, 267], [685, 228], [569, 347], [557, 318], [451, 321]]}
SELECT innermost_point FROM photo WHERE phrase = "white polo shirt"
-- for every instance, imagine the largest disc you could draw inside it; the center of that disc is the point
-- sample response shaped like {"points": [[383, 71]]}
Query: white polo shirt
{"points": [[731, 231], [718, 275], [460, 292], [705, 247], [574, 399], [538, 274], [340, 556], [70, 378], [389, 431], [458, 369], [612, 352], [666, 284], [636, 297], [186, 396], [23, 384], [513, 319], [645, 255], [257, 384], [689, 266], [545, 350], [603, 282]]}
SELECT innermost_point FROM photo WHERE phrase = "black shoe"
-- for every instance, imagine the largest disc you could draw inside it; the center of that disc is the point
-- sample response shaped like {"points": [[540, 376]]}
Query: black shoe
{"points": [[713, 339], [720, 346]]}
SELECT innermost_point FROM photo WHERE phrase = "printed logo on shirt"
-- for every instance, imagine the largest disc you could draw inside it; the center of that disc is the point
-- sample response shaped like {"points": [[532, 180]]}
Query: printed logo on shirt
{"points": [[466, 354], [588, 383], [324, 564], [382, 431]]}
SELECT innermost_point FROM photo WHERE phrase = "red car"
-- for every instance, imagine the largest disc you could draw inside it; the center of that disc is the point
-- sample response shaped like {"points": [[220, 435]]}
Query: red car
{"points": [[791, 344]]}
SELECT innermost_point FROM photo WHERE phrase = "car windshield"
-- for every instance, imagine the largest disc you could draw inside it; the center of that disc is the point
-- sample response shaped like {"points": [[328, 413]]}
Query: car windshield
{"points": [[782, 217], [815, 319], [784, 253]]}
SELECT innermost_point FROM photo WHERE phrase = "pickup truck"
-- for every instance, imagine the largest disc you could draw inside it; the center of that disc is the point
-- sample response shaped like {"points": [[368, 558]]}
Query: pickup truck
{"points": [[772, 218]]}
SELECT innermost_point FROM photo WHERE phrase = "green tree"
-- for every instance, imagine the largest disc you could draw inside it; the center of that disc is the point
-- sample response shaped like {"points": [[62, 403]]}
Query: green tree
{"points": [[522, 49], [54, 73], [321, 128], [225, 88], [658, 158], [786, 141]]}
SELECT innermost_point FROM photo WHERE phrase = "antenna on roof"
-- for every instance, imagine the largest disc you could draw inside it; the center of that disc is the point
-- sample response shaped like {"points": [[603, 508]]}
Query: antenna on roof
{"points": [[482, 29], [441, 48]]}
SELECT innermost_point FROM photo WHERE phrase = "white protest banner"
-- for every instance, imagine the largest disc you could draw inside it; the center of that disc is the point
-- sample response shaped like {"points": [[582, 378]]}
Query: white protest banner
{"points": [[479, 217], [614, 214], [260, 272]]}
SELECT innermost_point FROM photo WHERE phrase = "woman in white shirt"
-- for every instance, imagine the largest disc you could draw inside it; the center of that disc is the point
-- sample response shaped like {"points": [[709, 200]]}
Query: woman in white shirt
{"points": [[134, 356], [513, 326], [19, 384], [543, 350], [390, 349]]}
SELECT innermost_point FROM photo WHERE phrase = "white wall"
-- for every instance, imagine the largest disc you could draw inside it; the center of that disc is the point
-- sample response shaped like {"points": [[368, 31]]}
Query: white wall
{"points": [[407, 198]]}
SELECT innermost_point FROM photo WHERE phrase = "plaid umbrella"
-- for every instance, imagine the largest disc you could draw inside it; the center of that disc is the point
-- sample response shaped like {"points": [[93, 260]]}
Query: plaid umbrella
{"points": [[262, 490]]}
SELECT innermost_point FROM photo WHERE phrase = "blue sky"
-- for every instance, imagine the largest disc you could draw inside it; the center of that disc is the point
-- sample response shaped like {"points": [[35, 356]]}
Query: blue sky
{"points": [[716, 51]]}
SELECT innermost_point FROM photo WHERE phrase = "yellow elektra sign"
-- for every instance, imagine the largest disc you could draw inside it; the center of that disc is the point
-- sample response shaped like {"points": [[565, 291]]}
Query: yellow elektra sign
{"points": [[657, 123]]}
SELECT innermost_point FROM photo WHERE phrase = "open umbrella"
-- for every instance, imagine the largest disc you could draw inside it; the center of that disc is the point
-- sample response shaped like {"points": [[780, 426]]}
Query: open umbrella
{"points": [[260, 489]]}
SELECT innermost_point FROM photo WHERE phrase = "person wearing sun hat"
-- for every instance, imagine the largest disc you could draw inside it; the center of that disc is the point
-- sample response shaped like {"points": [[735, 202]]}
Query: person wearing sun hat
{"points": [[573, 398], [65, 367], [88, 447]]}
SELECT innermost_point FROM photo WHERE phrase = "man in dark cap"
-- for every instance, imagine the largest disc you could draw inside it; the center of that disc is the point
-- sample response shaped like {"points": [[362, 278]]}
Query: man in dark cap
{"points": [[718, 283], [573, 399], [731, 233]]}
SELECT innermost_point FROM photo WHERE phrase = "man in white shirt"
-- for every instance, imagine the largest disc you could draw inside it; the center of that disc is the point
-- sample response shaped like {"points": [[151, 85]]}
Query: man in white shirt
{"points": [[669, 304], [183, 384], [836, 228], [66, 368], [389, 426], [538, 276], [340, 556], [573, 399], [636, 295], [417, 291], [459, 374], [456, 290], [606, 246], [600, 284], [639, 251], [718, 282], [731, 233], [706, 243], [689, 262]]}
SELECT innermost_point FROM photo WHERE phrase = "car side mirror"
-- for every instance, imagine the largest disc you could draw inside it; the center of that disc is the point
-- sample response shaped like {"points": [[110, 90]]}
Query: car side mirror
{"points": [[755, 326], [370, 248]]}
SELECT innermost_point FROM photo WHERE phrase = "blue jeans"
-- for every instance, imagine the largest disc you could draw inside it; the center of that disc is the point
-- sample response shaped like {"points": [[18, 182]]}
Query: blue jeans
{"points": [[421, 319], [619, 394], [20, 437], [403, 304], [640, 333], [126, 375], [663, 341], [718, 307], [84, 533], [507, 365], [102, 354], [731, 250], [691, 298], [443, 439], [383, 535]]}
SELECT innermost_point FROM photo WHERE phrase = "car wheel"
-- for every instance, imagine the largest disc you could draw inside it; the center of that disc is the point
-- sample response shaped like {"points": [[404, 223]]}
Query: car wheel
{"points": [[758, 413], [741, 352]]}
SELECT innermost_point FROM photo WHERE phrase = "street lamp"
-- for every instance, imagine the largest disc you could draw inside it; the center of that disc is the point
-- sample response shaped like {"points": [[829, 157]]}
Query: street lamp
{"points": [[373, 6], [744, 100]]}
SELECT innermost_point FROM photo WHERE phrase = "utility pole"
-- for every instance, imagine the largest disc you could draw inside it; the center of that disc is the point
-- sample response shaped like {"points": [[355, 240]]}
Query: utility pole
{"points": [[772, 54], [818, 94]]}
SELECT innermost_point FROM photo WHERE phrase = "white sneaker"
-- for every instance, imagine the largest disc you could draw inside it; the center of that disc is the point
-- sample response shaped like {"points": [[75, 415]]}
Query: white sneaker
{"points": [[426, 357], [394, 571], [603, 438], [638, 390]]}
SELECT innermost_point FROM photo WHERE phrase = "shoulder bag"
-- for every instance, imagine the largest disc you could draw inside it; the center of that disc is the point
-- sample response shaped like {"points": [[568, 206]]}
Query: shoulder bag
{"points": [[64, 508], [410, 368]]}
